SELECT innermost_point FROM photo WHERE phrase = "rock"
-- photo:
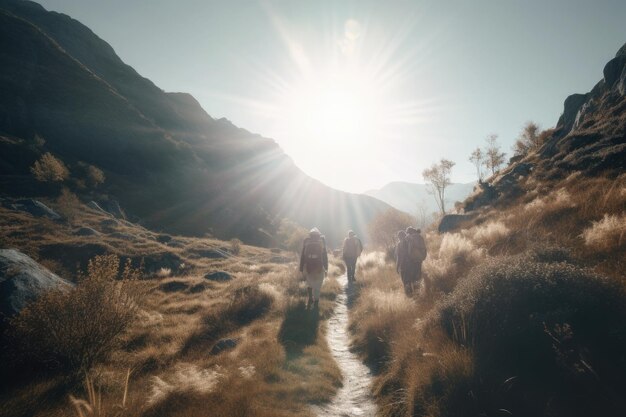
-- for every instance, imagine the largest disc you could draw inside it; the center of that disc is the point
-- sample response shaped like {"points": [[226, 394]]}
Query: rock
{"points": [[485, 195], [198, 288], [613, 70], [450, 222], [222, 345], [218, 276], [86, 231], [92, 204], [36, 208], [109, 223], [113, 207], [123, 236], [163, 238], [23, 280], [155, 261], [173, 286], [571, 106]]}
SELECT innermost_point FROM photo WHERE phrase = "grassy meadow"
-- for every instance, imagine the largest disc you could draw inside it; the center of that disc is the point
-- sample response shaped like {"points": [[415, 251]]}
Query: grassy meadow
{"points": [[164, 321]]}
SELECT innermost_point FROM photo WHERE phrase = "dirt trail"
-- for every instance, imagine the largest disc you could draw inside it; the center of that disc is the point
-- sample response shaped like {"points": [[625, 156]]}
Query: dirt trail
{"points": [[354, 398]]}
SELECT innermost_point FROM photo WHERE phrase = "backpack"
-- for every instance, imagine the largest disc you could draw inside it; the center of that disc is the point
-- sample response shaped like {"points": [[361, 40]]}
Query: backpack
{"points": [[351, 247], [314, 255], [416, 247]]}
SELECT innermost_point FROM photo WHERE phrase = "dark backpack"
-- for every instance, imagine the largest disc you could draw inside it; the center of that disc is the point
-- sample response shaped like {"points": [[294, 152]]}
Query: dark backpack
{"points": [[314, 255], [416, 247]]}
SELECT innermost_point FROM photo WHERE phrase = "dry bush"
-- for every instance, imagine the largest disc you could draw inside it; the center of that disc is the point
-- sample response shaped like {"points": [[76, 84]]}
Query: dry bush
{"points": [[374, 259], [68, 204], [291, 235], [608, 233], [488, 234], [95, 176], [454, 258], [384, 226], [235, 246], [77, 328], [556, 328], [49, 169]]}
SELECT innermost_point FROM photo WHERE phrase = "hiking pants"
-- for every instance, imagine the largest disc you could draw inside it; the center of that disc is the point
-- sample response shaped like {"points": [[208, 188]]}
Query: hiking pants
{"points": [[350, 266], [314, 280]]}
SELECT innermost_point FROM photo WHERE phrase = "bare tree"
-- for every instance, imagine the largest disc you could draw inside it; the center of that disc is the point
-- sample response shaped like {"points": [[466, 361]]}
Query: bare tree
{"points": [[493, 157], [477, 157], [439, 177]]}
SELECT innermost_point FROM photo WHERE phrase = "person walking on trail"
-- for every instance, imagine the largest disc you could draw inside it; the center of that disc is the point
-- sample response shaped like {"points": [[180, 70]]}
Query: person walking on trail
{"points": [[352, 248], [314, 264], [410, 253]]}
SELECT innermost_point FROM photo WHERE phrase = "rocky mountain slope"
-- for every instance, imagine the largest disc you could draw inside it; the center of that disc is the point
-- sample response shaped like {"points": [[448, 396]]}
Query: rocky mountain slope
{"points": [[166, 160], [589, 141]]}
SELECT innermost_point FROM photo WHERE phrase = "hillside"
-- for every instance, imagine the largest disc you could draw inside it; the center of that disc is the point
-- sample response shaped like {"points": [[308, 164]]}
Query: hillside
{"points": [[170, 164], [411, 197], [522, 306]]}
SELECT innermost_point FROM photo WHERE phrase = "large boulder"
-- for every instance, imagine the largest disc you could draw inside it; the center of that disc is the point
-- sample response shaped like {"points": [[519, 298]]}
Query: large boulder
{"points": [[23, 280], [450, 222]]}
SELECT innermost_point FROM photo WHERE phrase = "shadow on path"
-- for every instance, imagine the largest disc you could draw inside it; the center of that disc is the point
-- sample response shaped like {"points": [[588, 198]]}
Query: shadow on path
{"points": [[299, 329]]}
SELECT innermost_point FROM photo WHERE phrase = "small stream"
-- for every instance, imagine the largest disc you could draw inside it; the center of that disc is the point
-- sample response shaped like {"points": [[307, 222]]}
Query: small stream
{"points": [[354, 398]]}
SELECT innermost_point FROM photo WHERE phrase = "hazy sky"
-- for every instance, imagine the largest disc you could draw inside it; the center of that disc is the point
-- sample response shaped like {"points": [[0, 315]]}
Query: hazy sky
{"points": [[361, 93]]}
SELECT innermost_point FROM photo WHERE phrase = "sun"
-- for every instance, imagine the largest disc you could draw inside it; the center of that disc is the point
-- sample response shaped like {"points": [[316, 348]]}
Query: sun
{"points": [[334, 108]]}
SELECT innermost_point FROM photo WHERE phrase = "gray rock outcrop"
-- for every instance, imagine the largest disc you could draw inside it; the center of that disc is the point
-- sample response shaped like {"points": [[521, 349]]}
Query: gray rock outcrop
{"points": [[23, 280], [36, 208]]}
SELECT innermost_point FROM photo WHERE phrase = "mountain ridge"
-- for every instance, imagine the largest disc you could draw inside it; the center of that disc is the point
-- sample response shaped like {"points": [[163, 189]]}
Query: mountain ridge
{"points": [[167, 161]]}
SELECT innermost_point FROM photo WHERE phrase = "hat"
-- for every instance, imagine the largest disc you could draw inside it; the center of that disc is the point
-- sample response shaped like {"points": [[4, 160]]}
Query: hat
{"points": [[351, 233], [314, 231], [411, 230]]}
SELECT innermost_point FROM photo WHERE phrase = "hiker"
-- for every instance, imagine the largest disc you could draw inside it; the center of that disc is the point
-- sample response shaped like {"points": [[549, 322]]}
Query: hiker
{"points": [[410, 253], [352, 248], [402, 267], [314, 264]]}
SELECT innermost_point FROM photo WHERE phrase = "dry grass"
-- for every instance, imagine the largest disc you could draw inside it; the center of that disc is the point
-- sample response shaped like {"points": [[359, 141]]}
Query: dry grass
{"points": [[430, 363], [183, 315]]}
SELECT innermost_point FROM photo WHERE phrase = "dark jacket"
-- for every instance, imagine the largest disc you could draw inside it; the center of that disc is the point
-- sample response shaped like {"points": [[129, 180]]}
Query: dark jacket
{"points": [[402, 255], [324, 253]]}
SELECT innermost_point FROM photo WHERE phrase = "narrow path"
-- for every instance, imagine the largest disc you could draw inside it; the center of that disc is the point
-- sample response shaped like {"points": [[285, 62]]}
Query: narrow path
{"points": [[354, 397]]}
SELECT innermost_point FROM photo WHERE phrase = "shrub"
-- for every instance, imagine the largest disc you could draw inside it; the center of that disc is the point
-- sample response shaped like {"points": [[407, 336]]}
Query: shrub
{"points": [[68, 204], [490, 233], [49, 169], [75, 329], [455, 257], [384, 226], [608, 233], [95, 176], [235, 246], [290, 235], [554, 328]]}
